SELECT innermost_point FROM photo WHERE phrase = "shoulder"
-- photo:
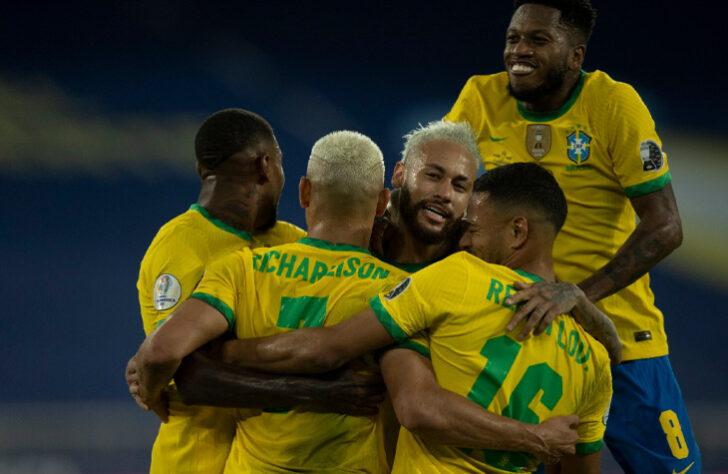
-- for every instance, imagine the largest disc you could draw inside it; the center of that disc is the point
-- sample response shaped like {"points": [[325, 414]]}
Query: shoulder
{"points": [[281, 233], [181, 237], [601, 87]]}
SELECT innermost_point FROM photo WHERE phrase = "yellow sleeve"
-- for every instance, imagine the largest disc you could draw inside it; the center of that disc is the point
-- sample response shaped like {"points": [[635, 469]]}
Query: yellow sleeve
{"points": [[635, 148], [468, 106], [223, 283], [421, 299], [593, 416], [168, 274]]}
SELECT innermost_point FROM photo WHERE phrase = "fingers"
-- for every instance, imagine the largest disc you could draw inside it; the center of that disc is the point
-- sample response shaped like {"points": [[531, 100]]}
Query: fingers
{"points": [[546, 321], [161, 409], [525, 292], [522, 312], [572, 420], [533, 320]]}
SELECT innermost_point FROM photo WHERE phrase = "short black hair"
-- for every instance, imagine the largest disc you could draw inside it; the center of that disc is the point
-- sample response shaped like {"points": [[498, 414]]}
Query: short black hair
{"points": [[527, 185], [228, 132], [577, 15]]}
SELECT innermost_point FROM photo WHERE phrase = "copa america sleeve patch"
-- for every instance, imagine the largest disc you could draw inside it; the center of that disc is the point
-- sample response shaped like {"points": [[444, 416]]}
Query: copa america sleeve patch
{"points": [[167, 292], [651, 155], [399, 289]]}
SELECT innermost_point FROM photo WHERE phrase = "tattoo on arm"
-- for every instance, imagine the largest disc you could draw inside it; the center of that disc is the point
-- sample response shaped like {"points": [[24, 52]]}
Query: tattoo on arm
{"points": [[601, 327]]}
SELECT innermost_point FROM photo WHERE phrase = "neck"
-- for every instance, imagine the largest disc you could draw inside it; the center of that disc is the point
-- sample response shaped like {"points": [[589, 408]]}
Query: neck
{"points": [[404, 247], [234, 204], [540, 264], [557, 98], [340, 231]]}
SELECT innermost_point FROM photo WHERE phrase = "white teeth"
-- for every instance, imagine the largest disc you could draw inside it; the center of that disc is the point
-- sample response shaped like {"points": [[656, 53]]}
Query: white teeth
{"points": [[521, 68], [435, 212]]}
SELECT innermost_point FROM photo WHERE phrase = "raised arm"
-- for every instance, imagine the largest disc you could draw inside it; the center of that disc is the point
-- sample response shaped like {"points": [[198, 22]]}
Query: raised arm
{"points": [[310, 350], [658, 233], [429, 411], [205, 380]]}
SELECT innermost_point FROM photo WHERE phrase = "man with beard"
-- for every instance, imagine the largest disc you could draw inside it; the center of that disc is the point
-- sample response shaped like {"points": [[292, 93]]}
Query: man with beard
{"points": [[597, 138], [240, 165], [434, 180]]}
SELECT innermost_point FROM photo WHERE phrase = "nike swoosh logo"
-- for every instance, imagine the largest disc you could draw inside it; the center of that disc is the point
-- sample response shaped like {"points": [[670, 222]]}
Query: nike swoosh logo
{"points": [[493, 139], [684, 470]]}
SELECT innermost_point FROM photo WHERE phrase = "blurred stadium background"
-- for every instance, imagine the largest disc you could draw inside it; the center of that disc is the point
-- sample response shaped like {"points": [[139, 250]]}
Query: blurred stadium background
{"points": [[99, 106]]}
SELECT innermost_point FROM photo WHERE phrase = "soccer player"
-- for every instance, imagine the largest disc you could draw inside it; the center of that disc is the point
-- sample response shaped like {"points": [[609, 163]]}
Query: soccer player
{"points": [[437, 171], [455, 312], [239, 163], [316, 281], [598, 139]]}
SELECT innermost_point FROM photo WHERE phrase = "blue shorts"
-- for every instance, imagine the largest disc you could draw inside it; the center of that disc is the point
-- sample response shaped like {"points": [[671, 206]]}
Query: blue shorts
{"points": [[648, 429]]}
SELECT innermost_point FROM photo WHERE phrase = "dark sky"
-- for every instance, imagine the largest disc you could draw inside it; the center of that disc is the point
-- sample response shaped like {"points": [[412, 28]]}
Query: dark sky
{"points": [[167, 56]]}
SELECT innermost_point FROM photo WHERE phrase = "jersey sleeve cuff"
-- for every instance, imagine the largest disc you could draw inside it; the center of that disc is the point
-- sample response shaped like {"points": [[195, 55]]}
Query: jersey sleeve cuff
{"points": [[648, 187], [589, 448], [219, 305], [415, 346], [389, 324]]}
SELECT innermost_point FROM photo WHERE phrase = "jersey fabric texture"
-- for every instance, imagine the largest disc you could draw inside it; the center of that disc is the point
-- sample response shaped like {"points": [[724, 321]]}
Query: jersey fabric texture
{"points": [[311, 283], [458, 304], [197, 438], [602, 148]]}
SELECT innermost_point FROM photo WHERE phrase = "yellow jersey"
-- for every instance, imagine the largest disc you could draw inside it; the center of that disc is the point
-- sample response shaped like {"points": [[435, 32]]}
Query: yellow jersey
{"points": [[311, 283], [602, 148], [196, 438], [456, 309]]}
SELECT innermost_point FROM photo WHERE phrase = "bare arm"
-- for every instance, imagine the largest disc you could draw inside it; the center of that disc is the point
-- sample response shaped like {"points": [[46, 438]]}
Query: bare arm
{"points": [[310, 350], [429, 411], [189, 327], [543, 301], [658, 233], [204, 380]]}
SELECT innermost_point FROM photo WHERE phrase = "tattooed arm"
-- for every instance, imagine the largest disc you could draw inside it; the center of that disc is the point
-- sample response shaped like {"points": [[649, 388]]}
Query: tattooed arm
{"points": [[658, 233], [543, 301]]}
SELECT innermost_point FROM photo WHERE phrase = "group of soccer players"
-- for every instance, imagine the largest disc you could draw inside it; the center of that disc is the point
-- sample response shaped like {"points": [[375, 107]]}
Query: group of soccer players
{"points": [[440, 274]]}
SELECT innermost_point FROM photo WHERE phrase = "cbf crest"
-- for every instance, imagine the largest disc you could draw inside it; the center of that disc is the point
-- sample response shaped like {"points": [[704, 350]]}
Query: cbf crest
{"points": [[538, 140], [578, 146]]}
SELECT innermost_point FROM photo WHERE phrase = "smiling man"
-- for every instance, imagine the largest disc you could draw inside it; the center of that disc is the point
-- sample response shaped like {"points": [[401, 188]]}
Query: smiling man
{"points": [[597, 138]]}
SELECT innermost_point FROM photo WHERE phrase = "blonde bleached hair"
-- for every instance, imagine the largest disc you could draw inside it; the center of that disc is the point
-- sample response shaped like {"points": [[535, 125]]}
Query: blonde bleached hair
{"points": [[459, 132], [346, 166]]}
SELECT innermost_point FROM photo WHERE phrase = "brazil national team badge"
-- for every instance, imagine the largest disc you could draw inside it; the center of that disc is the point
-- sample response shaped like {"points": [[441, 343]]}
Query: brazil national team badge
{"points": [[579, 146], [651, 156], [538, 140], [399, 289], [167, 292]]}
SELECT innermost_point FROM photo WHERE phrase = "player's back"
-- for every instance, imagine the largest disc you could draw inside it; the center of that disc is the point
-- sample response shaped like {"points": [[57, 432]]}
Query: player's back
{"points": [[560, 372], [311, 283]]}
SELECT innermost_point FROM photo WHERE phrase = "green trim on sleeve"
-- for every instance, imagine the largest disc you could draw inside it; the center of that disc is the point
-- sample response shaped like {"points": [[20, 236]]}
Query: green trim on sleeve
{"points": [[415, 346], [247, 236], [588, 448], [389, 324], [648, 187], [218, 304]]}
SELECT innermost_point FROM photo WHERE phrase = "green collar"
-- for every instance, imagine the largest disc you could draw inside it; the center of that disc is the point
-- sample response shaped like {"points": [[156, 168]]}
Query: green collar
{"points": [[220, 224], [553, 114], [530, 276], [323, 244]]}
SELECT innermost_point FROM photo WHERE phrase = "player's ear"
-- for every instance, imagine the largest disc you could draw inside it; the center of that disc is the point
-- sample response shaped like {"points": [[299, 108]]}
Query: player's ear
{"points": [[519, 232], [264, 167], [383, 201], [398, 175], [304, 192], [198, 169], [576, 56]]}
